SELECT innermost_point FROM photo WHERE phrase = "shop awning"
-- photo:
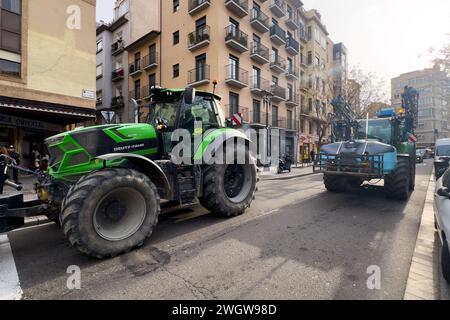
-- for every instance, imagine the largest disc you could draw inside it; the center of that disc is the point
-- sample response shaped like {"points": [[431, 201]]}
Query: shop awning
{"points": [[56, 113]]}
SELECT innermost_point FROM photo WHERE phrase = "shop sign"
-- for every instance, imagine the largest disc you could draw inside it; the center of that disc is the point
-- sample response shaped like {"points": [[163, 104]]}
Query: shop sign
{"points": [[29, 123]]}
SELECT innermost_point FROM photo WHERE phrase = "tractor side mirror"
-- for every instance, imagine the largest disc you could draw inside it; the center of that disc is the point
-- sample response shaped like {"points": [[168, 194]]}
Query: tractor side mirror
{"points": [[189, 95], [443, 192]]}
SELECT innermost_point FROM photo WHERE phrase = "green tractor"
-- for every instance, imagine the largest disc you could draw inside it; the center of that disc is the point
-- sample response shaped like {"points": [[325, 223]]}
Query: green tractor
{"points": [[105, 184], [373, 149]]}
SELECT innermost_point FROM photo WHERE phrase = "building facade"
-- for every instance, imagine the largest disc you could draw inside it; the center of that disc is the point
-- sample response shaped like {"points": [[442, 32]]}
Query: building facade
{"points": [[434, 88], [46, 69], [340, 69]]}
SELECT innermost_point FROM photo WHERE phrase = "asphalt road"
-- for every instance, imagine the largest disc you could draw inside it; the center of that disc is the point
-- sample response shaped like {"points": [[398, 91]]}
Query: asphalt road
{"points": [[296, 242]]}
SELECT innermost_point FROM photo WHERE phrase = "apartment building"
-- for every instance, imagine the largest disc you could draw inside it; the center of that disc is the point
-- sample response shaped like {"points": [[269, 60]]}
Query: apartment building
{"points": [[316, 85], [133, 19], [434, 88], [47, 69]]}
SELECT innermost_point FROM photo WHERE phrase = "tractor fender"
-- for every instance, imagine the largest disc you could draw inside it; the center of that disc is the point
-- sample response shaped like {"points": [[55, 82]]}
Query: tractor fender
{"points": [[148, 167], [216, 139]]}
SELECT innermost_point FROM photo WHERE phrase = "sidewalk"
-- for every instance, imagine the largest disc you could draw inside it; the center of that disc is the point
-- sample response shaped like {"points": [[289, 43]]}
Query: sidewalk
{"points": [[425, 281], [272, 173]]}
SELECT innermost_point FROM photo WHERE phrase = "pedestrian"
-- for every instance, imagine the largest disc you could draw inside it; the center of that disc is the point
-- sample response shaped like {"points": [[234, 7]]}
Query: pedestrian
{"points": [[3, 167], [35, 159], [16, 157], [313, 155]]}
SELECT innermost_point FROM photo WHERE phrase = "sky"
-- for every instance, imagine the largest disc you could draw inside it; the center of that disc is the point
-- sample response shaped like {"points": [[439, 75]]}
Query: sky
{"points": [[387, 37]]}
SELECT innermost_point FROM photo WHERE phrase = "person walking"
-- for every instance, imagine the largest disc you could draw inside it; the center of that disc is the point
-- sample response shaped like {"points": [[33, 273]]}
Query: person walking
{"points": [[3, 167], [16, 157]]}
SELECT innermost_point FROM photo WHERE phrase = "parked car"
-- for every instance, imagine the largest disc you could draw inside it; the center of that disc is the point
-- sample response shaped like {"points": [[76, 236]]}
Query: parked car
{"points": [[419, 156], [442, 220], [426, 153], [442, 148]]}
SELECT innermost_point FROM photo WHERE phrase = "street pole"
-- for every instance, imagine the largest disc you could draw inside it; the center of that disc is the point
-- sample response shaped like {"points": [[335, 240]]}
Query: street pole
{"points": [[267, 96]]}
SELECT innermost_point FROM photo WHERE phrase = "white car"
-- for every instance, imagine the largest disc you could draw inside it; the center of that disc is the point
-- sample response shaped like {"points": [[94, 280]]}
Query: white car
{"points": [[442, 220]]}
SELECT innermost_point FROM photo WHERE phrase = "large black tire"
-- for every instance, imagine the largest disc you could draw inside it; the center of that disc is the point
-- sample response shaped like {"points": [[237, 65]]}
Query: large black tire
{"points": [[110, 211], [335, 183], [217, 199], [396, 184], [445, 262], [412, 178]]}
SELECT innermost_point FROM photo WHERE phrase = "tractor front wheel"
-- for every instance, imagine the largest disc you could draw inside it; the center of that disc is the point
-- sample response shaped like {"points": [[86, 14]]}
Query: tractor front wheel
{"points": [[228, 190], [110, 211], [397, 183]]}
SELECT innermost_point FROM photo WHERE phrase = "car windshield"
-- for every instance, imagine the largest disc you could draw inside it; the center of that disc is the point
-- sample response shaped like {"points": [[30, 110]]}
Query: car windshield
{"points": [[443, 151], [379, 129]]}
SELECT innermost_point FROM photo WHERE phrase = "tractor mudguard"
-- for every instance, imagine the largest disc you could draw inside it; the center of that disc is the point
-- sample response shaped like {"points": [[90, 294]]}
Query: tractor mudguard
{"points": [[216, 139], [149, 167]]}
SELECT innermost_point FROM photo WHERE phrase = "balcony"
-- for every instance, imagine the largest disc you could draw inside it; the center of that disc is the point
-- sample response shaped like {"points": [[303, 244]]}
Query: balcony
{"points": [[259, 21], [277, 64], [292, 73], [150, 61], [195, 6], [277, 35], [292, 100], [236, 77], [199, 76], [118, 74], [236, 39], [292, 46], [278, 8], [292, 23], [258, 118], [117, 47], [297, 4], [135, 68], [259, 53], [117, 102], [259, 86], [238, 7], [278, 93], [199, 38]]}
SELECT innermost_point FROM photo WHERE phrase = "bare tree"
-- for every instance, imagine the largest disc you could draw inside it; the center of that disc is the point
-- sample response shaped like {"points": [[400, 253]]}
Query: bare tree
{"points": [[442, 58]]}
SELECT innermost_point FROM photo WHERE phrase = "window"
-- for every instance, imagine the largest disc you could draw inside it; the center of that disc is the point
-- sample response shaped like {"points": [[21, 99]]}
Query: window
{"points": [[11, 26], [233, 67], [274, 81], [310, 105], [99, 71], [317, 60], [201, 68], [256, 111], [99, 45], [176, 37], [234, 103], [99, 97], [152, 80], [289, 119], [152, 54], [176, 70], [290, 92], [9, 67], [309, 58], [123, 9], [274, 116], [137, 89], [256, 78], [176, 5]]}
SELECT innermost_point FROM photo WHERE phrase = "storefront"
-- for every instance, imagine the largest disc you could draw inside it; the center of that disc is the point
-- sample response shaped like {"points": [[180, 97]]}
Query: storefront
{"points": [[27, 124]]}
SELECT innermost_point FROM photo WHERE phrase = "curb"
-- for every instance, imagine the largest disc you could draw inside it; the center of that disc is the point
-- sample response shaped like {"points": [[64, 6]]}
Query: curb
{"points": [[287, 177], [35, 221], [424, 275]]}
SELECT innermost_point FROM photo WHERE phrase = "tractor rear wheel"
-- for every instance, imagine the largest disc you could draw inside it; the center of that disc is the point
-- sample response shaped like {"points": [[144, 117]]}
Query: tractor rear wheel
{"points": [[397, 184], [110, 211], [229, 189], [335, 183]]}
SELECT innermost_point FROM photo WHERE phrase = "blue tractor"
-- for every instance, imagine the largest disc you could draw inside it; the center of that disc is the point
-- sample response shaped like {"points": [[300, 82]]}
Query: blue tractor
{"points": [[372, 149]]}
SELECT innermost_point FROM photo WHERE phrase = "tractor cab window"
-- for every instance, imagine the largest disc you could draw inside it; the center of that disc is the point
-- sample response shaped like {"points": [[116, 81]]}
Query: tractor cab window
{"points": [[202, 110], [166, 111], [379, 129]]}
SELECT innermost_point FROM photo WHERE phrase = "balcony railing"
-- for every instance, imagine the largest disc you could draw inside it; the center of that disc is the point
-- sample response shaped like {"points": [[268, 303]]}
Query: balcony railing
{"points": [[195, 6], [199, 38], [292, 73], [292, 99], [277, 35], [259, 85], [136, 94], [260, 118], [304, 35], [199, 75], [150, 61], [238, 7], [277, 64], [237, 77], [291, 21], [117, 47], [278, 8], [135, 68], [292, 46], [118, 74], [259, 21], [278, 93], [259, 53], [236, 39]]}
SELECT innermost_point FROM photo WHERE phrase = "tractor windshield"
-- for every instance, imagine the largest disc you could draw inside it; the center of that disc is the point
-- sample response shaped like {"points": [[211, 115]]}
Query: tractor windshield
{"points": [[379, 129]]}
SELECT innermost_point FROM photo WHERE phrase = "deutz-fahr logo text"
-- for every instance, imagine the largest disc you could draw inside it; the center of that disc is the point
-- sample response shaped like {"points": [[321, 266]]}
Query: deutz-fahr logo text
{"points": [[129, 147]]}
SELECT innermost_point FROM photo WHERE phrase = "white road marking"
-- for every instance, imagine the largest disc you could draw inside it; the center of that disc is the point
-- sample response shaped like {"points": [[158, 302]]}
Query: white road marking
{"points": [[9, 279]]}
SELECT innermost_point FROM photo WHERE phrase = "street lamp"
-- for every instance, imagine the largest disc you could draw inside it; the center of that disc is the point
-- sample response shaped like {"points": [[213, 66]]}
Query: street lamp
{"points": [[267, 98]]}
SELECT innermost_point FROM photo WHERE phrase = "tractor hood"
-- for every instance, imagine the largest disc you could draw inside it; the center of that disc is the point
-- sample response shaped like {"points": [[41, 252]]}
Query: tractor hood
{"points": [[75, 149], [357, 148]]}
